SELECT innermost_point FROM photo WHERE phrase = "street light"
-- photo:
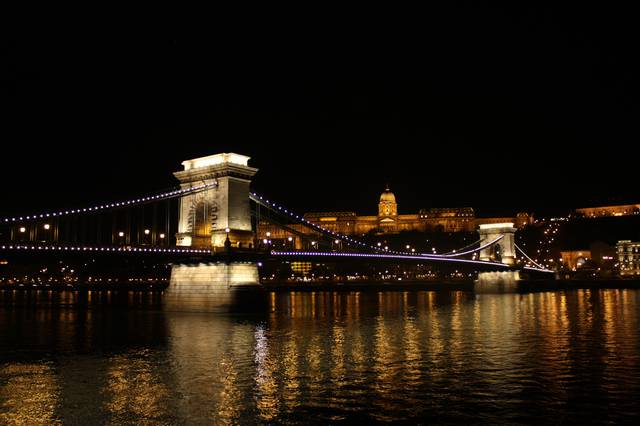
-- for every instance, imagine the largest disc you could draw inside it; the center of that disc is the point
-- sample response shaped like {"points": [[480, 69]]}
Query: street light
{"points": [[147, 232], [47, 226], [23, 229], [120, 234], [162, 236]]}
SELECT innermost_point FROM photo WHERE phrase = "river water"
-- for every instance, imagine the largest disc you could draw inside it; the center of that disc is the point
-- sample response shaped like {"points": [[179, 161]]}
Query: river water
{"points": [[324, 357]]}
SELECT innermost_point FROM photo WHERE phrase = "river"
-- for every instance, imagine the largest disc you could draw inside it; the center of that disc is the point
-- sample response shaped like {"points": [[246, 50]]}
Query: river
{"points": [[322, 357]]}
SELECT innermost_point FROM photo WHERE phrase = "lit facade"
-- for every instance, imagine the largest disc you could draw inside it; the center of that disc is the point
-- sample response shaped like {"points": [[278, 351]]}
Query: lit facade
{"points": [[389, 221], [603, 211], [628, 257], [575, 259]]}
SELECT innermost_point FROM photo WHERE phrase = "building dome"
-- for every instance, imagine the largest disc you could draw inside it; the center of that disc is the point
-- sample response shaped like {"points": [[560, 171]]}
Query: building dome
{"points": [[387, 196]]}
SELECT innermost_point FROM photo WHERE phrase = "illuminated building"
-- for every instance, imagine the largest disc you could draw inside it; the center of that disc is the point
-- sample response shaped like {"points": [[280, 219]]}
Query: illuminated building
{"points": [[575, 259], [628, 257], [303, 268], [389, 221], [602, 211]]}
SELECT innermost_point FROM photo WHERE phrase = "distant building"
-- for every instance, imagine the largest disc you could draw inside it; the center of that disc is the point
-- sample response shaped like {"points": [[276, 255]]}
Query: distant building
{"points": [[450, 219], [603, 211], [389, 221], [628, 257], [575, 259]]}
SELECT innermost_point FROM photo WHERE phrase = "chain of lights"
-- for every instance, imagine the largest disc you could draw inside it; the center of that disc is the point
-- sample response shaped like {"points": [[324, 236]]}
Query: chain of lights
{"points": [[259, 199], [530, 259], [128, 249], [108, 206], [397, 256], [541, 269], [470, 251], [386, 256], [462, 248]]}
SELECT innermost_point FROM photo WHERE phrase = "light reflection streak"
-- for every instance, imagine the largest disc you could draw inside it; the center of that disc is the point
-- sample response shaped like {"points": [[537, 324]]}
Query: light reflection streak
{"points": [[29, 394], [327, 356], [135, 388]]}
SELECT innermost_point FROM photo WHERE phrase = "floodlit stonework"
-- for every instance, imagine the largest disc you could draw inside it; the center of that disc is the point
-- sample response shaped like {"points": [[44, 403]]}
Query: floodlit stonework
{"points": [[210, 287], [628, 257], [207, 217]]}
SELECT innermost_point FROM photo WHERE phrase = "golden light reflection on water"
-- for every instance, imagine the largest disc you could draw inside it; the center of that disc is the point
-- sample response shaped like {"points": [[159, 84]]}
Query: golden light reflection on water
{"points": [[337, 372], [412, 352], [324, 356], [291, 386], [135, 389], [211, 358], [266, 386], [29, 394], [620, 328]]}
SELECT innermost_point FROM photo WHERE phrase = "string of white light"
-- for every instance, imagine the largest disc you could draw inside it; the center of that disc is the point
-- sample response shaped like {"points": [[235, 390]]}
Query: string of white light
{"points": [[397, 256], [530, 259], [259, 199], [131, 249], [386, 256], [472, 251], [113, 205], [462, 248]]}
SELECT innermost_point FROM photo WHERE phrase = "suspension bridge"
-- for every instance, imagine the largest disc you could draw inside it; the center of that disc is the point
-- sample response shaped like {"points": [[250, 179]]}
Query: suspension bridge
{"points": [[213, 216]]}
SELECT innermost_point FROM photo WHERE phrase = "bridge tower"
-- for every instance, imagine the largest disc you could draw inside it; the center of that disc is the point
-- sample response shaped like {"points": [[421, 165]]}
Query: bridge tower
{"points": [[503, 251], [208, 217], [506, 252]]}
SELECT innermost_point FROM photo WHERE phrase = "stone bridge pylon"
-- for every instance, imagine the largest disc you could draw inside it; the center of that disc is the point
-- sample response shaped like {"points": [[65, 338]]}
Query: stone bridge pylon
{"points": [[208, 217], [504, 250]]}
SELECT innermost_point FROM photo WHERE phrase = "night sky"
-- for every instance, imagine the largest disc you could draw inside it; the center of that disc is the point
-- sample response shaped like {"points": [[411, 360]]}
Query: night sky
{"points": [[499, 109]]}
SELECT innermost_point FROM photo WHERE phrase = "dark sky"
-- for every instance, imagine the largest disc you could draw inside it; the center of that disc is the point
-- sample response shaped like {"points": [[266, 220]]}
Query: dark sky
{"points": [[501, 109]]}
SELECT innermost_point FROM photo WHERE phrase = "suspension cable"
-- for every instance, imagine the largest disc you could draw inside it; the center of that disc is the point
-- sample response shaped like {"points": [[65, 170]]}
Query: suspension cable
{"points": [[104, 207], [475, 250], [284, 226], [280, 209], [462, 248], [527, 256], [98, 248]]}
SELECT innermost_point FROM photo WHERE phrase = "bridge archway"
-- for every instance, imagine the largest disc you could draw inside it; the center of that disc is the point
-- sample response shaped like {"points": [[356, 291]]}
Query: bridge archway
{"points": [[207, 218], [503, 250]]}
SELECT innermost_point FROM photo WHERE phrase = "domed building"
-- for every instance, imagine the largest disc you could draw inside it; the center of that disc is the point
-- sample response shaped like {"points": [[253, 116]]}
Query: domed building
{"points": [[387, 210], [388, 221]]}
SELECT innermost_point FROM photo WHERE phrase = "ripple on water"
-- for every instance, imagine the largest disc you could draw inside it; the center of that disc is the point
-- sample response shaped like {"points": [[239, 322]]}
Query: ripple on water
{"points": [[328, 357]]}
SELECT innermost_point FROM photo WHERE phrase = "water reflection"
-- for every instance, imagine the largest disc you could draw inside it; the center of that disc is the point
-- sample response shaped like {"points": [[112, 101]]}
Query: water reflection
{"points": [[322, 357], [28, 394], [136, 387]]}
